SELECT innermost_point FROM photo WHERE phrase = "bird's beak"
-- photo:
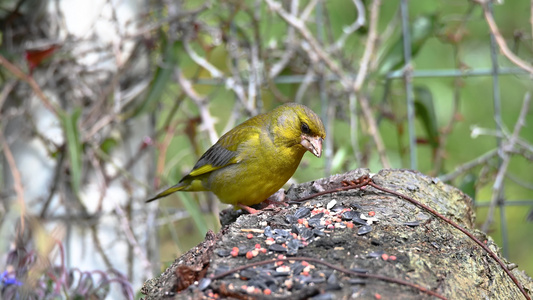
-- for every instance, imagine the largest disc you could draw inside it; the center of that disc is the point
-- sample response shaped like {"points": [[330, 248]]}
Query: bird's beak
{"points": [[312, 144]]}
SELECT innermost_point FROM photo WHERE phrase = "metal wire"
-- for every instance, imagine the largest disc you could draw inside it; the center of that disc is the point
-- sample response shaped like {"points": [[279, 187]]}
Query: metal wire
{"points": [[404, 9], [294, 79], [498, 121]]}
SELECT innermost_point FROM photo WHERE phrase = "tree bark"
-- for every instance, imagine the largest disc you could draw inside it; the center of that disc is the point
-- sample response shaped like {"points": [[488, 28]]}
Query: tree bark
{"points": [[404, 243]]}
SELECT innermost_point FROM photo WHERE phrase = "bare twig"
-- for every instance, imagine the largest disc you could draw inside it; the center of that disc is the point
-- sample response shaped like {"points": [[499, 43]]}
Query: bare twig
{"points": [[358, 83], [308, 36], [369, 46], [8, 87], [17, 179], [100, 248], [508, 146], [308, 79], [347, 31], [290, 46], [132, 240], [208, 121], [214, 71], [501, 41], [469, 165], [163, 147], [354, 131], [13, 69], [308, 10], [374, 132]]}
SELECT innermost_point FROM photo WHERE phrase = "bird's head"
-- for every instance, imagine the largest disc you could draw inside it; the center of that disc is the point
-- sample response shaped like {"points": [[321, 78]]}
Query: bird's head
{"points": [[297, 124]]}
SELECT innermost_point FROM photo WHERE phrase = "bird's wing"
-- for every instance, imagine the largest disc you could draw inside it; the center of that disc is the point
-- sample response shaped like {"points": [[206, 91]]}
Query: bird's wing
{"points": [[225, 151]]}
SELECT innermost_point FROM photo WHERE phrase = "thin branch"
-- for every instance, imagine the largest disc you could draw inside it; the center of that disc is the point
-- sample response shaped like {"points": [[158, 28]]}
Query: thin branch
{"points": [[308, 36], [215, 73], [8, 87], [130, 236], [347, 31], [208, 121], [13, 69], [497, 188], [287, 54], [163, 148], [307, 80], [100, 248], [308, 10], [369, 46], [17, 179], [501, 41], [358, 83], [481, 160]]}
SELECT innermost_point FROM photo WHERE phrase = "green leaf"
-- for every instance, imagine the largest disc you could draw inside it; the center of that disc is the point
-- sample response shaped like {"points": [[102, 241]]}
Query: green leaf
{"points": [[425, 111], [162, 78], [70, 125], [339, 159], [194, 211], [108, 145], [468, 185], [421, 29]]}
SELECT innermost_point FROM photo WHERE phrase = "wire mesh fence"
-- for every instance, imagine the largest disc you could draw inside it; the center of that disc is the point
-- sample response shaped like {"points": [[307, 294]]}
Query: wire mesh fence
{"points": [[406, 84]]}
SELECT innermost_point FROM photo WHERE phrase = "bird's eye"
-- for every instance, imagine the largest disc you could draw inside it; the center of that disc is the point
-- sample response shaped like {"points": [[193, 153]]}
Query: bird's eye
{"points": [[305, 128]]}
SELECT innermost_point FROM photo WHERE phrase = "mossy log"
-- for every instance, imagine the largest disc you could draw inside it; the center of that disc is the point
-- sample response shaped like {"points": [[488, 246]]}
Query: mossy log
{"points": [[402, 242]]}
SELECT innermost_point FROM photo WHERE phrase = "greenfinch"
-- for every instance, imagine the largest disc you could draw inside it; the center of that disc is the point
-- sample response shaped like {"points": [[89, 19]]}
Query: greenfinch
{"points": [[255, 159]]}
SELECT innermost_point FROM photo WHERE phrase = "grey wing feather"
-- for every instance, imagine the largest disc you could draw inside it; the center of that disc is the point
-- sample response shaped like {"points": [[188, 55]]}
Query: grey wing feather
{"points": [[216, 156]]}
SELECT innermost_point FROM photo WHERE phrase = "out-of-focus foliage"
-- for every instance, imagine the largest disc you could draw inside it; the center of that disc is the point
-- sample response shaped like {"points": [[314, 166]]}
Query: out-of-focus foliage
{"points": [[213, 64]]}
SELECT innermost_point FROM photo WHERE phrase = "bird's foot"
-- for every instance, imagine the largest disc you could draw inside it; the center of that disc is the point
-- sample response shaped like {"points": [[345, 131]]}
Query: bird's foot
{"points": [[273, 202], [247, 208], [276, 200]]}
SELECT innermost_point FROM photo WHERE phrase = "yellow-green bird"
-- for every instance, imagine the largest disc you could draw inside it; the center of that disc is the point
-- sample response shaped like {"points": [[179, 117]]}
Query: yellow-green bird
{"points": [[255, 159]]}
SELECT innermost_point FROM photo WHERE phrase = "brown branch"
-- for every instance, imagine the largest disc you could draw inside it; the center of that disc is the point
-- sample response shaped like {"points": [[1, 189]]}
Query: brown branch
{"points": [[13, 69], [132, 240], [17, 179], [504, 49], [208, 121], [8, 87]]}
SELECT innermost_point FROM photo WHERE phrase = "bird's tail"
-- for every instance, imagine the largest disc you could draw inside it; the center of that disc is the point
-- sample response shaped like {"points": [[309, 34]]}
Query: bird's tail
{"points": [[170, 190]]}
